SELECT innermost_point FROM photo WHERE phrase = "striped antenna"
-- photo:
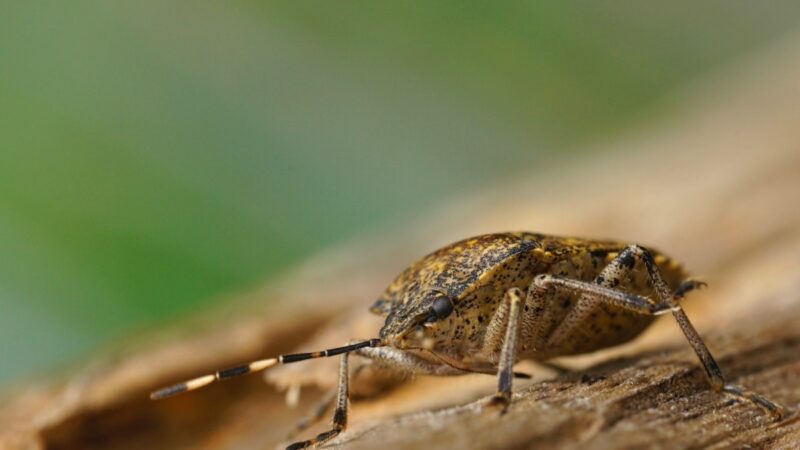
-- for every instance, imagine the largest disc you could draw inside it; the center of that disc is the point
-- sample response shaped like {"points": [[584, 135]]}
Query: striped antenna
{"points": [[255, 366]]}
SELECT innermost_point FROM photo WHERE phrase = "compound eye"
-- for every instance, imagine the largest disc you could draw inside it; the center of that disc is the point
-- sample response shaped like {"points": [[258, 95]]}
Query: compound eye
{"points": [[442, 307]]}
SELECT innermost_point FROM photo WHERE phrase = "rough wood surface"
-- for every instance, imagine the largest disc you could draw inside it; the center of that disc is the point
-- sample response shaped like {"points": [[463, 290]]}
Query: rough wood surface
{"points": [[717, 185]]}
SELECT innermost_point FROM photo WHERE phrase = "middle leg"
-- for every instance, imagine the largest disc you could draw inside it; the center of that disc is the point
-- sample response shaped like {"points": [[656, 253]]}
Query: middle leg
{"points": [[512, 301], [503, 333]]}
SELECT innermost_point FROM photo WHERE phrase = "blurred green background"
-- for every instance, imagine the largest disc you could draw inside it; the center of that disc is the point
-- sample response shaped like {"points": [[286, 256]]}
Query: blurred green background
{"points": [[155, 155]]}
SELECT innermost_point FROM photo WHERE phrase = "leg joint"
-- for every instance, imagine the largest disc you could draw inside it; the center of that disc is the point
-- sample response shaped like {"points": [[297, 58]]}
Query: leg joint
{"points": [[635, 250], [340, 418], [515, 294], [542, 282]]}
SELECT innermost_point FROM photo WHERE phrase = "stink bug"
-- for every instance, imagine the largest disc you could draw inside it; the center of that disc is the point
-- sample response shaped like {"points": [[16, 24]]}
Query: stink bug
{"points": [[482, 304]]}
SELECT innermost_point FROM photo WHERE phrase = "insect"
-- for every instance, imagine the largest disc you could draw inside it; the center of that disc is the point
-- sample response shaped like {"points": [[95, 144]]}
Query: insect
{"points": [[481, 304]]}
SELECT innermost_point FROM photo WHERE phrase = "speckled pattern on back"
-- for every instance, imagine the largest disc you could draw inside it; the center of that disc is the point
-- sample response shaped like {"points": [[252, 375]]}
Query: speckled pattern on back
{"points": [[475, 273]]}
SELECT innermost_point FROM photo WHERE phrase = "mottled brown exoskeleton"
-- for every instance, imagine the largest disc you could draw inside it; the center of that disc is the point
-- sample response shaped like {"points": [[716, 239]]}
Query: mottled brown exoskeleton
{"points": [[484, 303]]}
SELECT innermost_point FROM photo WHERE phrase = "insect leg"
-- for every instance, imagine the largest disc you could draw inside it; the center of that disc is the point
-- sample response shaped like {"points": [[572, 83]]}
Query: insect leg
{"points": [[599, 291], [339, 422], [496, 329], [315, 413], [505, 373], [506, 323], [686, 287], [324, 404], [713, 372]]}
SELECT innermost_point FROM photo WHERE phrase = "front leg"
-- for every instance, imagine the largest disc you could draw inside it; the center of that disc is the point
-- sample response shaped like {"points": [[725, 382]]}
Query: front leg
{"points": [[317, 412], [387, 357], [339, 422]]}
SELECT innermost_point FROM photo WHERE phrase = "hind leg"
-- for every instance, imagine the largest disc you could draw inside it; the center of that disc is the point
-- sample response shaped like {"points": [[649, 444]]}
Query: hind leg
{"points": [[713, 372], [601, 291]]}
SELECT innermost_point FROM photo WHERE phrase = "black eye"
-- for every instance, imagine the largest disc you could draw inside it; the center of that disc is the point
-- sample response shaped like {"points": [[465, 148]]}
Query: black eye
{"points": [[442, 307]]}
